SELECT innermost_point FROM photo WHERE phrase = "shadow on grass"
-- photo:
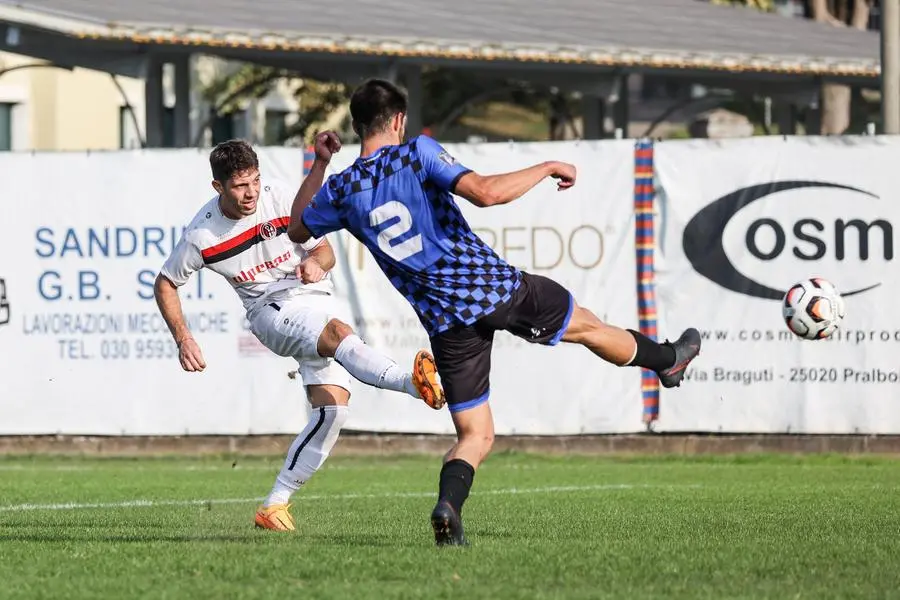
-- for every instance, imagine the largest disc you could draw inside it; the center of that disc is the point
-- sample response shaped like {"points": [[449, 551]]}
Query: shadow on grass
{"points": [[149, 536]]}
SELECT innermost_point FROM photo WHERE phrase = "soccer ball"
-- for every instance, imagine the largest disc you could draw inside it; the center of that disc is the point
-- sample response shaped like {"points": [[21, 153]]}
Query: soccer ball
{"points": [[813, 309]]}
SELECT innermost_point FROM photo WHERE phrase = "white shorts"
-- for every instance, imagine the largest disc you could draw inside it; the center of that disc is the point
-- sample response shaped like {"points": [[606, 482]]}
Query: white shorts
{"points": [[291, 327]]}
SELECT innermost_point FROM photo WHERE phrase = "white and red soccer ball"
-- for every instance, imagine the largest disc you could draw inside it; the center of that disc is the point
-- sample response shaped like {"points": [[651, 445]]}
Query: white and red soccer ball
{"points": [[813, 309]]}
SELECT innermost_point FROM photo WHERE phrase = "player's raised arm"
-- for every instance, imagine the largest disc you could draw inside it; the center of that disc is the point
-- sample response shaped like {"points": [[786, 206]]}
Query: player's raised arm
{"points": [[491, 190], [486, 190], [327, 144], [184, 260]]}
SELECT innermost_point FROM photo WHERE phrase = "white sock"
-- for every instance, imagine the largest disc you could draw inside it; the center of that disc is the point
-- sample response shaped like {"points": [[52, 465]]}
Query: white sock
{"points": [[372, 367], [633, 356], [308, 452]]}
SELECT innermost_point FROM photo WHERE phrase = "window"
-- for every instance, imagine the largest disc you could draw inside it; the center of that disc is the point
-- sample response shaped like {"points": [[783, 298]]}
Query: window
{"points": [[6, 110], [229, 126], [240, 126], [222, 128], [168, 127], [276, 127]]}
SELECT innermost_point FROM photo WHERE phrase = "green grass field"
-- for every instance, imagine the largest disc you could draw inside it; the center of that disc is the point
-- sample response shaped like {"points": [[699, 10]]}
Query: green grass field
{"points": [[752, 527]]}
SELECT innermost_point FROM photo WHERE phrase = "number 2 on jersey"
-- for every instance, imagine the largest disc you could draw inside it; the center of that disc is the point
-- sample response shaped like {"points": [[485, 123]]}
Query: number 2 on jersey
{"points": [[387, 212]]}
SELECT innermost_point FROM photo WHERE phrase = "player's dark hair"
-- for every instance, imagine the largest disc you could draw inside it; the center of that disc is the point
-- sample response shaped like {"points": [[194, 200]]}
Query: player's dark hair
{"points": [[374, 104], [232, 157]]}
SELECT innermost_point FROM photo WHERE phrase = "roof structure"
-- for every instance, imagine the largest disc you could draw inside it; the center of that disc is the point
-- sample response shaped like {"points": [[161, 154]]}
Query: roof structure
{"points": [[596, 35]]}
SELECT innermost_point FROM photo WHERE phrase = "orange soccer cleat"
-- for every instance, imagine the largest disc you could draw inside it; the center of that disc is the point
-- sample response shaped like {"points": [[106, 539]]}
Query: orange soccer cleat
{"points": [[276, 517], [425, 378]]}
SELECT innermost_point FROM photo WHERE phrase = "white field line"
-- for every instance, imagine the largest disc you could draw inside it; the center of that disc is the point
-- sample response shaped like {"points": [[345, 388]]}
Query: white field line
{"points": [[146, 467], [313, 497]]}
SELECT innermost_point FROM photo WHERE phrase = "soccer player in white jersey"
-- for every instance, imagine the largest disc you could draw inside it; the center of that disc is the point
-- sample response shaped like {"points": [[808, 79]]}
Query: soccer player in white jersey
{"points": [[286, 290]]}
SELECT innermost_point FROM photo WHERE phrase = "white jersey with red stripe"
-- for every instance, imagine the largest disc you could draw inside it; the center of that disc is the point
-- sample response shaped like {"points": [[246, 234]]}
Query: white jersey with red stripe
{"points": [[253, 253]]}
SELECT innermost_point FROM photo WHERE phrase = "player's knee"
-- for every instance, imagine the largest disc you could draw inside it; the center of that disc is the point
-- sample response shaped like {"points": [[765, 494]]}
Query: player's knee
{"points": [[483, 440], [338, 329], [331, 337], [487, 443]]}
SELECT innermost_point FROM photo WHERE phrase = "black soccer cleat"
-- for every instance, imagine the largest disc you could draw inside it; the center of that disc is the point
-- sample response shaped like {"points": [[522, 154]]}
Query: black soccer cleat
{"points": [[447, 525], [687, 347]]}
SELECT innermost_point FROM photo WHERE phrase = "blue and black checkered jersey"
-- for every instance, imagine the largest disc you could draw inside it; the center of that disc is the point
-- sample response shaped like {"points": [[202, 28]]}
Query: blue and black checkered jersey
{"points": [[399, 203]]}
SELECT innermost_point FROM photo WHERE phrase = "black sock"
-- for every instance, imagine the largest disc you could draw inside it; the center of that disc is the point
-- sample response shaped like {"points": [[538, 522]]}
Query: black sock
{"points": [[456, 480], [650, 355]]}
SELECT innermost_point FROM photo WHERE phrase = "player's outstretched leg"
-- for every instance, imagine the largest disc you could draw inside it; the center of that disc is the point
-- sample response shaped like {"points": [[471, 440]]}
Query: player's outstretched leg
{"points": [[374, 368], [626, 347], [306, 454], [687, 348]]}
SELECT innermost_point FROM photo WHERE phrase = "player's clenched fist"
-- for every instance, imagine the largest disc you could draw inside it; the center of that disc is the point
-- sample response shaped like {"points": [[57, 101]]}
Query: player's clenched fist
{"points": [[327, 144], [564, 173], [190, 356], [310, 271]]}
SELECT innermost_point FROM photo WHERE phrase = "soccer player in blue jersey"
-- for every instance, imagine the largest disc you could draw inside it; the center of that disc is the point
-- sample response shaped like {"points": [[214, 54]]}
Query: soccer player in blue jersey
{"points": [[397, 199]]}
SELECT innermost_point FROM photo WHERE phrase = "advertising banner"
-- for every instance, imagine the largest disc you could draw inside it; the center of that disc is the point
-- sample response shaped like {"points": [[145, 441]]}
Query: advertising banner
{"points": [[83, 349], [738, 222]]}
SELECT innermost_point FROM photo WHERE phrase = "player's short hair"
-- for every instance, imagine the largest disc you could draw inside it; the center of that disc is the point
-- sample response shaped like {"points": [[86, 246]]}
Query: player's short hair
{"points": [[374, 104], [230, 158]]}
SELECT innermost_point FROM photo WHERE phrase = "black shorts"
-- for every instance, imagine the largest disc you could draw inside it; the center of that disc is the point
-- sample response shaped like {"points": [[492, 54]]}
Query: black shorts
{"points": [[538, 312]]}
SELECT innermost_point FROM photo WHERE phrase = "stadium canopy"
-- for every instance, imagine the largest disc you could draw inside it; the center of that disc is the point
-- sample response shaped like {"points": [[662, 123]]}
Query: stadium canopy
{"points": [[585, 45]]}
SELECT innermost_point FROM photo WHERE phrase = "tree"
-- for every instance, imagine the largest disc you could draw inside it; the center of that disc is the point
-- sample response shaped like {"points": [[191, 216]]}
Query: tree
{"points": [[323, 105], [230, 86], [449, 96], [836, 98]]}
